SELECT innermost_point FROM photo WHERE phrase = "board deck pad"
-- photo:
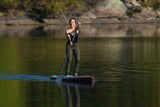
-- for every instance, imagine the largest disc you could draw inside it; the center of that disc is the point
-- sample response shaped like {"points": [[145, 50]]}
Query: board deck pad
{"points": [[75, 79]]}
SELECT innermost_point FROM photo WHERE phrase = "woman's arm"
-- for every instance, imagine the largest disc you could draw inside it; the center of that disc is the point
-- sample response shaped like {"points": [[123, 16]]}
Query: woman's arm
{"points": [[68, 36], [79, 24], [70, 31]]}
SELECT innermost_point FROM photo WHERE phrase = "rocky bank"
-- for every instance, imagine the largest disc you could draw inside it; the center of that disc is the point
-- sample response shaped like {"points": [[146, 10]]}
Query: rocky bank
{"points": [[104, 11]]}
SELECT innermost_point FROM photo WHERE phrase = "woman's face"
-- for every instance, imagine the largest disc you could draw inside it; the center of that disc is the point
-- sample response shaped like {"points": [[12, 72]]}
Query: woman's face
{"points": [[72, 23]]}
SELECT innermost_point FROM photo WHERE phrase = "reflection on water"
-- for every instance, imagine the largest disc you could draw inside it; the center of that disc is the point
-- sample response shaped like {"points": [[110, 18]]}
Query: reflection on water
{"points": [[108, 30], [72, 101], [123, 58]]}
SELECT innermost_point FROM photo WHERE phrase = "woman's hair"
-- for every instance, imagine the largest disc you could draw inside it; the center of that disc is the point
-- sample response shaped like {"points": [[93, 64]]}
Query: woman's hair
{"points": [[72, 19]]}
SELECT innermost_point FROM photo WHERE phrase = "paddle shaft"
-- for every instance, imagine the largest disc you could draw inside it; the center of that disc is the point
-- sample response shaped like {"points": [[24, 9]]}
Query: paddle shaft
{"points": [[69, 50]]}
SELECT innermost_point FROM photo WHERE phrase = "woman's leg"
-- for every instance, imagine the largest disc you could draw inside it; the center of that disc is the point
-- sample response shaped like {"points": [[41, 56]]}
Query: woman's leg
{"points": [[69, 58], [76, 53]]}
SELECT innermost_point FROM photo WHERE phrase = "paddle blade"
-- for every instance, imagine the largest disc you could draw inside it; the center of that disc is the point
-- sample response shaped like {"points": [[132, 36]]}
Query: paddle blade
{"points": [[59, 79]]}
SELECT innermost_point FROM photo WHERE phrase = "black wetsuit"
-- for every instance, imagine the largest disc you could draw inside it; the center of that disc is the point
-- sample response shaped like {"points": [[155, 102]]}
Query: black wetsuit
{"points": [[76, 52]]}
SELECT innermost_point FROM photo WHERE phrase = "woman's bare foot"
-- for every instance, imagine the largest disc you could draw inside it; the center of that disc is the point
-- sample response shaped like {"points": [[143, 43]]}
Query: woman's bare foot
{"points": [[76, 74], [67, 75]]}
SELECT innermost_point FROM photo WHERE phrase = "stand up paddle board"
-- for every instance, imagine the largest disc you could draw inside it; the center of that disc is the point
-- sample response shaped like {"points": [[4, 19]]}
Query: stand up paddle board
{"points": [[75, 79]]}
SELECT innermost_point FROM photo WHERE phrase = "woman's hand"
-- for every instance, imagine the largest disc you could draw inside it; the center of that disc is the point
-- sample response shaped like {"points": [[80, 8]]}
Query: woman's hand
{"points": [[71, 43], [79, 23]]}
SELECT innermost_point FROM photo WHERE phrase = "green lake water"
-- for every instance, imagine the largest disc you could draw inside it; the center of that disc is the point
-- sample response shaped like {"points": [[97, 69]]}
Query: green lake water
{"points": [[124, 60]]}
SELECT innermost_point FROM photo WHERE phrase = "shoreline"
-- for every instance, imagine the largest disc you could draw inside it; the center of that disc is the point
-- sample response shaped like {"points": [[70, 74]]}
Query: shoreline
{"points": [[24, 20], [102, 12], [87, 31]]}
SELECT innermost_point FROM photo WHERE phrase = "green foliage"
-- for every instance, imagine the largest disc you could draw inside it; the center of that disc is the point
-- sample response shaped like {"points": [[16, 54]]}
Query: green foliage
{"points": [[151, 3], [35, 8], [130, 12], [45, 8], [5, 4], [54, 8], [58, 8]]}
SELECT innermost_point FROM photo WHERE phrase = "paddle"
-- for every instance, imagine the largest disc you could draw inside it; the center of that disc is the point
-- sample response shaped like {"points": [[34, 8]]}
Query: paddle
{"points": [[58, 80]]}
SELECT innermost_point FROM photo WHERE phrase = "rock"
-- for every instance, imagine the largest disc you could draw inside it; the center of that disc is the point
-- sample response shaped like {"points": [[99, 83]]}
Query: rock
{"points": [[21, 21], [158, 13], [132, 3], [151, 19], [136, 20], [87, 17], [53, 21], [1, 14], [135, 3], [89, 14], [13, 20], [85, 20], [146, 13], [2, 22], [106, 20], [129, 5], [110, 8]]}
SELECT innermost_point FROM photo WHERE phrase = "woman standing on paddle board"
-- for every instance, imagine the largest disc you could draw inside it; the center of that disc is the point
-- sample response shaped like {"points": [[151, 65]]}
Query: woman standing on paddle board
{"points": [[70, 33]]}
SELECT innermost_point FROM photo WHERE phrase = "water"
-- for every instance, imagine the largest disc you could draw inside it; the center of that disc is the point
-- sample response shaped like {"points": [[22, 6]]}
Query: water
{"points": [[124, 59]]}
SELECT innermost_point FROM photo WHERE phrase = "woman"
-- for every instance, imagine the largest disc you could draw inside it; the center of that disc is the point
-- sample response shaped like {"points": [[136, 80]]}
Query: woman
{"points": [[72, 46]]}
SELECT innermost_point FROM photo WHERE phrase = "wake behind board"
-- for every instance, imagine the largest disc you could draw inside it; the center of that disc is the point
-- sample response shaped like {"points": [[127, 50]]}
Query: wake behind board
{"points": [[75, 79]]}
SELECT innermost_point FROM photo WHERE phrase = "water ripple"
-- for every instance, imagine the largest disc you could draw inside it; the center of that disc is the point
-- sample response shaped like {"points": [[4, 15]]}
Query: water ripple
{"points": [[23, 77]]}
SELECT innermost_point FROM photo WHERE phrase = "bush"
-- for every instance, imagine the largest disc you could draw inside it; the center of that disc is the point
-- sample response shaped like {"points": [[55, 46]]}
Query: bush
{"points": [[54, 8], [5, 5], [46, 8], [151, 3]]}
